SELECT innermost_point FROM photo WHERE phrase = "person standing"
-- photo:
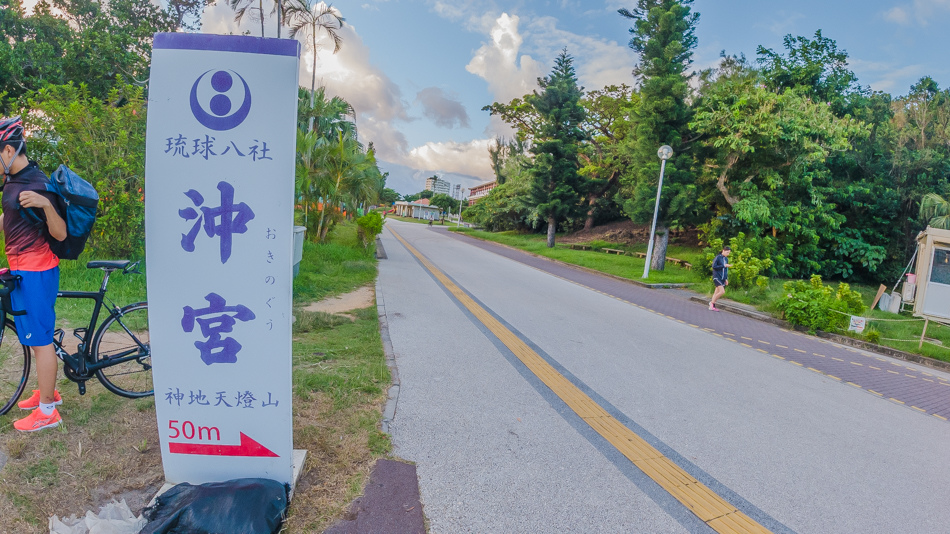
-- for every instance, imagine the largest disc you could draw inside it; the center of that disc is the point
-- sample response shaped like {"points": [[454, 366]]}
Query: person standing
{"points": [[30, 258], [720, 272]]}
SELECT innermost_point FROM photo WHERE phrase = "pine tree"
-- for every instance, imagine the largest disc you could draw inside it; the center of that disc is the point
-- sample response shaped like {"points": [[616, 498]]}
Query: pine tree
{"points": [[557, 186], [663, 35]]}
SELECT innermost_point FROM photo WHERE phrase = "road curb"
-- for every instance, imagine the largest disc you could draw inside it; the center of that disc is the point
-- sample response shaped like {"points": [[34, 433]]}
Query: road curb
{"points": [[579, 267], [389, 411], [837, 338]]}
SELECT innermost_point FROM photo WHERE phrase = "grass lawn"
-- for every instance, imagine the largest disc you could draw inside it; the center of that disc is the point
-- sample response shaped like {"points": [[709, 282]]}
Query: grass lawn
{"points": [[630, 267], [891, 331], [107, 446]]}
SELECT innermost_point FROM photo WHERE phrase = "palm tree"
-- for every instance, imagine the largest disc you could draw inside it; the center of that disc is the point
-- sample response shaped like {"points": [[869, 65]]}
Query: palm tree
{"points": [[325, 115], [247, 7], [936, 211], [308, 16], [346, 174]]}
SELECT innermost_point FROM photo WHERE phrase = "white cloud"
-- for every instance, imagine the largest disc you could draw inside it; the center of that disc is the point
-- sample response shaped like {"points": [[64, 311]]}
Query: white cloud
{"points": [[497, 62], [349, 74], [897, 14], [921, 11], [462, 158]]}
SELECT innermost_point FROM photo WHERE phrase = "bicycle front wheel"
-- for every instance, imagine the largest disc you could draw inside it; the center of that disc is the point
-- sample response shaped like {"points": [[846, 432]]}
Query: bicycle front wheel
{"points": [[14, 367], [122, 343]]}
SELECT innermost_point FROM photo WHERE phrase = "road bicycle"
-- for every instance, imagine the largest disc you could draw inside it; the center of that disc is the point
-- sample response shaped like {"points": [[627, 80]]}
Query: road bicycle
{"points": [[117, 352]]}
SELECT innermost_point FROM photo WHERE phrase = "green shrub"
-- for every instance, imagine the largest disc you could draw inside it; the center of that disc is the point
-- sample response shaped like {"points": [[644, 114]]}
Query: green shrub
{"points": [[748, 259], [369, 226], [103, 140], [819, 307], [872, 336]]}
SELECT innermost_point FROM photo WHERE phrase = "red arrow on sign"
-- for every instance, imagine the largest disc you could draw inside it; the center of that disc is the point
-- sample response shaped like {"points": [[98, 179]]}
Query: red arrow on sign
{"points": [[248, 447]]}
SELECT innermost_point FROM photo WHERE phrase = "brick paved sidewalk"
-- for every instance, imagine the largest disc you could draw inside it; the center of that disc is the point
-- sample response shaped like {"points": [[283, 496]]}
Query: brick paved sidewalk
{"points": [[923, 390]]}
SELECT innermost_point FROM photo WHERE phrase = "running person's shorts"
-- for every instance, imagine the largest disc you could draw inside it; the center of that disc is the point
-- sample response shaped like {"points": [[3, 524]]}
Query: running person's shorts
{"points": [[36, 295], [717, 282]]}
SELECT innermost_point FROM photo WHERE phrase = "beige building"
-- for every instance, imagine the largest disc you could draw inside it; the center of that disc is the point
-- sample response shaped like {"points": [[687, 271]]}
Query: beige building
{"points": [[438, 185], [480, 191]]}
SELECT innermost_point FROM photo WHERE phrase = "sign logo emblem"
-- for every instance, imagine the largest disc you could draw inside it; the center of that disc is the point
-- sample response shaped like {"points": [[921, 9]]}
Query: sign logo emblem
{"points": [[214, 97]]}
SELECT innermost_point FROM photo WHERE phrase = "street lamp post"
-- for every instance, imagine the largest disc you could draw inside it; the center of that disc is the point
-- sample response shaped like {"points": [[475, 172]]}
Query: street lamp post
{"points": [[664, 154], [461, 194]]}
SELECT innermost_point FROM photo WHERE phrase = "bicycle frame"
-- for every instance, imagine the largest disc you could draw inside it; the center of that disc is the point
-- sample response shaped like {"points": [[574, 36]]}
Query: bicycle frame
{"points": [[80, 362]]}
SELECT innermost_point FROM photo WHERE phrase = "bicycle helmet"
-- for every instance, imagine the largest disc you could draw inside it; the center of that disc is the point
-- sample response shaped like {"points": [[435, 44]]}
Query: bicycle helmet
{"points": [[11, 133]]}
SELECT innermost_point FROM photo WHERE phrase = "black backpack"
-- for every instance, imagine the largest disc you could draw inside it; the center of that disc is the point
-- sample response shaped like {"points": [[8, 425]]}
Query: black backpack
{"points": [[77, 202]]}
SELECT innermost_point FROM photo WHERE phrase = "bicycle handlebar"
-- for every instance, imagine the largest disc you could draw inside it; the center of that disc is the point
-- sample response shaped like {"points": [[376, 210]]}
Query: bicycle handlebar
{"points": [[7, 283]]}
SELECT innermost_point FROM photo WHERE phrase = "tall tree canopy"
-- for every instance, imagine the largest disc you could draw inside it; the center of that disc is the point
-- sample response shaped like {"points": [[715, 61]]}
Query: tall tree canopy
{"points": [[557, 186], [664, 36]]}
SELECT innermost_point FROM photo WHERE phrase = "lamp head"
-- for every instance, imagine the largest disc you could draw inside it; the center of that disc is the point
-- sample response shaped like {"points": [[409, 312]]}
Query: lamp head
{"points": [[665, 152]]}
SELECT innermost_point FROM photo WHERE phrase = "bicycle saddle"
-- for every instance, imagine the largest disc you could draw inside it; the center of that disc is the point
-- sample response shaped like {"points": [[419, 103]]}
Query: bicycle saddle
{"points": [[109, 265]]}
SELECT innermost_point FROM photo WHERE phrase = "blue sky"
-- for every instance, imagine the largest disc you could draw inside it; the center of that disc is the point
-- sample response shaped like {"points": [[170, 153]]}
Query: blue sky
{"points": [[418, 72]]}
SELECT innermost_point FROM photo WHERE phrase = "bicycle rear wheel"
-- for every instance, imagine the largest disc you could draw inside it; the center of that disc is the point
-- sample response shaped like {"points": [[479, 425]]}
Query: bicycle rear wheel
{"points": [[123, 339], [14, 367]]}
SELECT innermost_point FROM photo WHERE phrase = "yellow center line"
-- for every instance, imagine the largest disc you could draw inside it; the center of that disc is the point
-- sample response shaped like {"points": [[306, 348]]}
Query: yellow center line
{"points": [[876, 393], [782, 346], [939, 416], [856, 363], [779, 357], [728, 334], [748, 338], [764, 342], [746, 345], [912, 376], [694, 495], [800, 350], [893, 372], [837, 359], [872, 367]]}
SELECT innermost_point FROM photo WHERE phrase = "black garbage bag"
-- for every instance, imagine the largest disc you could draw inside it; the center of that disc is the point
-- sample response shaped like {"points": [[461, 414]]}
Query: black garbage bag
{"points": [[241, 506]]}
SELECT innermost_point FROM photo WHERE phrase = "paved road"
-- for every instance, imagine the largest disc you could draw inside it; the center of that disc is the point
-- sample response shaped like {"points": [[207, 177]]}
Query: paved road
{"points": [[574, 403]]}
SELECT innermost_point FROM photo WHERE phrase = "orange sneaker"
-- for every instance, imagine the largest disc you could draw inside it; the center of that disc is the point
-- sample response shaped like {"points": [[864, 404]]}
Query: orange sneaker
{"points": [[37, 421], [33, 402]]}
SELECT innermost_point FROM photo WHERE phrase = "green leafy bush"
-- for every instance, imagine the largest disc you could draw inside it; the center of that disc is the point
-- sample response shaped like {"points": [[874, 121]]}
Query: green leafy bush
{"points": [[749, 261], [103, 140], [369, 226], [872, 336], [819, 307]]}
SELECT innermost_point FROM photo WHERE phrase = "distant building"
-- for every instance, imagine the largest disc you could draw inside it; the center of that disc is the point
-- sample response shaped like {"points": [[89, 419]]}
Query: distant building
{"points": [[480, 191], [458, 191], [417, 210], [438, 185]]}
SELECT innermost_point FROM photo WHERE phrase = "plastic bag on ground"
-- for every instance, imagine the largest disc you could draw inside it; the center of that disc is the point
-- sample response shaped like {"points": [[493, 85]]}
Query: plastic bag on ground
{"points": [[242, 506], [113, 518]]}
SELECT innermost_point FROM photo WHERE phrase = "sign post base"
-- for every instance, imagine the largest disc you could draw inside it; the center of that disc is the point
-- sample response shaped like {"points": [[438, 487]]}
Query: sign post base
{"points": [[299, 458]]}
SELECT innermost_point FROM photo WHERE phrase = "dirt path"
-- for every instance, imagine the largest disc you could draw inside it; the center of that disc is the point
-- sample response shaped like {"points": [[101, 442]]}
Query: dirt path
{"points": [[363, 297]]}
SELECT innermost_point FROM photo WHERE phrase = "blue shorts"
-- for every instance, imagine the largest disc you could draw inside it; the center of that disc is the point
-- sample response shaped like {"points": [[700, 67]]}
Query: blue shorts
{"points": [[36, 295]]}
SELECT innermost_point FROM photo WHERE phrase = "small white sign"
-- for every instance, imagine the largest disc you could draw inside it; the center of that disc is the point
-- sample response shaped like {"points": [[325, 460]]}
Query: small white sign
{"points": [[857, 324], [219, 190]]}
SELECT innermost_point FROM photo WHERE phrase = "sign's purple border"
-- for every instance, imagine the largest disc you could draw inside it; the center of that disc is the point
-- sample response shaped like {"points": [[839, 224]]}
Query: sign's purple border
{"points": [[227, 43]]}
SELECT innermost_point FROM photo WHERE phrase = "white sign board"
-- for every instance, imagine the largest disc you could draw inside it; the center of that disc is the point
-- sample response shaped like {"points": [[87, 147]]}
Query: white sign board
{"points": [[857, 324], [219, 188]]}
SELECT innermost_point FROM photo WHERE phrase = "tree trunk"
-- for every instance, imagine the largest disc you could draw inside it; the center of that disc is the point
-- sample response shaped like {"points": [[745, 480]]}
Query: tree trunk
{"points": [[260, 9], [589, 222], [660, 243], [552, 228]]}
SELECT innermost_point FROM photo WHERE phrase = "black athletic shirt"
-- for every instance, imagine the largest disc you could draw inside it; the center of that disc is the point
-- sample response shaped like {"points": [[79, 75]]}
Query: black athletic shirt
{"points": [[26, 246]]}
